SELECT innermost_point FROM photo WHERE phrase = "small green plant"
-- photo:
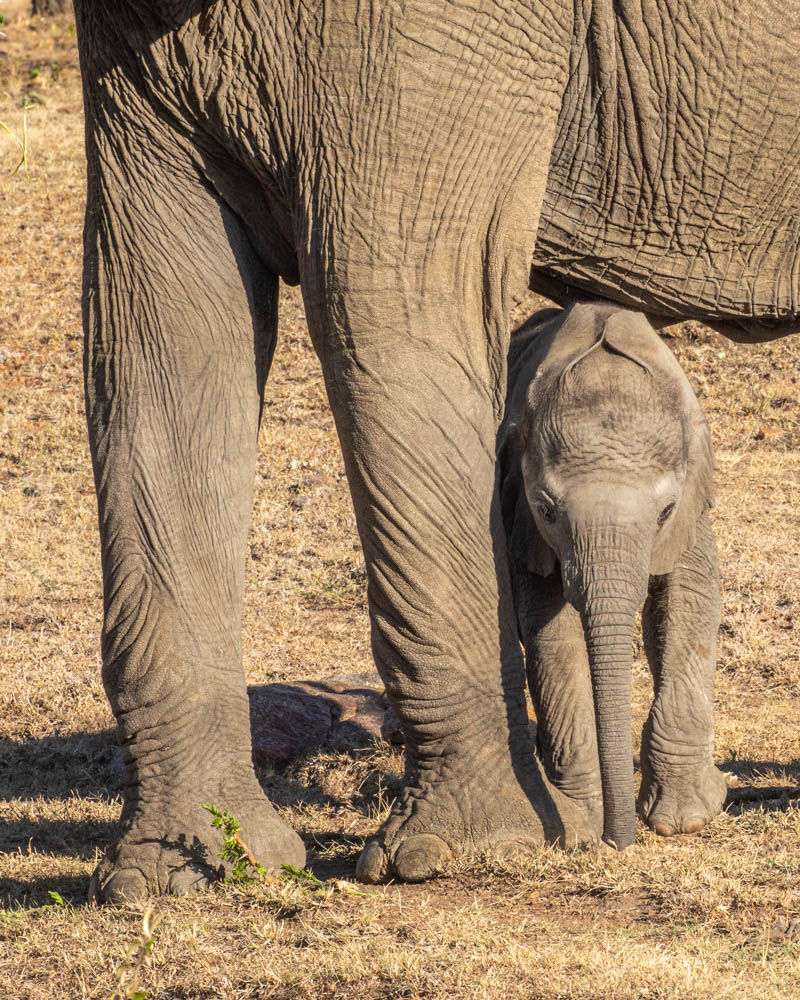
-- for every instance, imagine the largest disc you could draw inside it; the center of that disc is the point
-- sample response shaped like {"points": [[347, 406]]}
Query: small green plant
{"points": [[308, 880], [23, 142], [128, 982], [58, 899], [246, 868], [234, 850]]}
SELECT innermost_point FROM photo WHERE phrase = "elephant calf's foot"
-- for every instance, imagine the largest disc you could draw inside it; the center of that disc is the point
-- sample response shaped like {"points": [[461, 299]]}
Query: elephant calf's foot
{"points": [[588, 810], [178, 851], [681, 803], [447, 817]]}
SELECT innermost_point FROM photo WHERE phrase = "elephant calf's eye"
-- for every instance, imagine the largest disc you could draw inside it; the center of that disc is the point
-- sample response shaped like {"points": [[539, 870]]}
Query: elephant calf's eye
{"points": [[546, 510], [665, 513]]}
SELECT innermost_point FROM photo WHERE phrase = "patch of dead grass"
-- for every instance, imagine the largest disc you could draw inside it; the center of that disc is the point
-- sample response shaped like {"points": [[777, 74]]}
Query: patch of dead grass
{"points": [[690, 917]]}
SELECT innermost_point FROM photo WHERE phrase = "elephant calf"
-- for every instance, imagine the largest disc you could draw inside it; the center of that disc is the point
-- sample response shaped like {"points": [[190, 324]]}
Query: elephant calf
{"points": [[606, 481]]}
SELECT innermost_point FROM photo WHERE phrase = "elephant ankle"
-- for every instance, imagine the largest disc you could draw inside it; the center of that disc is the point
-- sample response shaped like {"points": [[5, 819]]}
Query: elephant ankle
{"points": [[676, 767]]}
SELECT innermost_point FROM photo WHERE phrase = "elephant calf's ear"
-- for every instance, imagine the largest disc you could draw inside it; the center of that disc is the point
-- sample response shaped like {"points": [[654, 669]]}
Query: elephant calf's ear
{"points": [[525, 543], [697, 498]]}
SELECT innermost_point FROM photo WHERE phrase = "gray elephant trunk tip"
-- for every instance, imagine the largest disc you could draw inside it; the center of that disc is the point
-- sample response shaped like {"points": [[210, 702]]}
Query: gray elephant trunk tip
{"points": [[622, 844]]}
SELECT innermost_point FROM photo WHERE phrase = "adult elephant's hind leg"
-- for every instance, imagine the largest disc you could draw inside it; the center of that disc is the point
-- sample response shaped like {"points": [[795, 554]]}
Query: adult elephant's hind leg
{"points": [[180, 324]]}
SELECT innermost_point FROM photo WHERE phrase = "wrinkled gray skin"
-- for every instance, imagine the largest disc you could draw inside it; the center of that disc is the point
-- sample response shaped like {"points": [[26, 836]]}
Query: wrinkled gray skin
{"points": [[396, 159], [605, 483]]}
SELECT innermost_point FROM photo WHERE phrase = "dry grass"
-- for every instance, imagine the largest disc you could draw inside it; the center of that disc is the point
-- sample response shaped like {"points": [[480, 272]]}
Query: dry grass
{"points": [[704, 917]]}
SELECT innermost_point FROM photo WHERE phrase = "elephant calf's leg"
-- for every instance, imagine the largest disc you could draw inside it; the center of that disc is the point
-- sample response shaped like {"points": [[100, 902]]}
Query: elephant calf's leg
{"points": [[560, 686], [180, 325], [681, 789]]}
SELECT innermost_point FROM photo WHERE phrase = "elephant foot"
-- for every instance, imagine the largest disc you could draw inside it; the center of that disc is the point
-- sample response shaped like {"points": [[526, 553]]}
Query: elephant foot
{"points": [[682, 803], [580, 786], [588, 832], [174, 851], [443, 818]]}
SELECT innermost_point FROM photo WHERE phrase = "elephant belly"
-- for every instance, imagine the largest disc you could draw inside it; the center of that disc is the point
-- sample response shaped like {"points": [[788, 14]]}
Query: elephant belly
{"points": [[674, 183]]}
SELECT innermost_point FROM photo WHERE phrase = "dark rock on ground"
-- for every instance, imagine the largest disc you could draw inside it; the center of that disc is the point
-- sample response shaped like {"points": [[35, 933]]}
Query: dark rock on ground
{"points": [[289, 720], [390, 729], [286, 722]]}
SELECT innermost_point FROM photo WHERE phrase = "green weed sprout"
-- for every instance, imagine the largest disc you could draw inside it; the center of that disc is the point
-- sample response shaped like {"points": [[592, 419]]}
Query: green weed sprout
{"points": [[306, 878], [246, 868], [22, 143], [234, 849], [128, 981]]}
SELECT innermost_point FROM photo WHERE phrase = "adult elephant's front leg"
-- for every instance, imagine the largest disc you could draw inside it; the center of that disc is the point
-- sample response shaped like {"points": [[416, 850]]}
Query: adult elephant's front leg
{"points": [[417, 420], [180, 325]]}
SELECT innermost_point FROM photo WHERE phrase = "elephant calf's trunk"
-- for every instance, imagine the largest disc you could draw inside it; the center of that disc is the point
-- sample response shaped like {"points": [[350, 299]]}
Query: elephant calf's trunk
{"points": [[608, 625]]}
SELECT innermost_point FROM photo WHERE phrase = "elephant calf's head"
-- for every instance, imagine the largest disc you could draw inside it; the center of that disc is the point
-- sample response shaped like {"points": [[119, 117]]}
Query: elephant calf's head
{"points": [[603, 436]]}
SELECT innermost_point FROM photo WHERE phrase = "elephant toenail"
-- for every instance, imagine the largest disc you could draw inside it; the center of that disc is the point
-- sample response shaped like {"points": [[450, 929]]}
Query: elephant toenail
{"points": [[124, 887], [663, 829], [183, 882], [372, 866], [693, 824], [421, 857]]}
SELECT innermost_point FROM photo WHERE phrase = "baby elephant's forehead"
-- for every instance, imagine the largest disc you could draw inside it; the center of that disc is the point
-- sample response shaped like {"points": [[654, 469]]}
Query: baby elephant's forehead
{"points": [[605, 415]]}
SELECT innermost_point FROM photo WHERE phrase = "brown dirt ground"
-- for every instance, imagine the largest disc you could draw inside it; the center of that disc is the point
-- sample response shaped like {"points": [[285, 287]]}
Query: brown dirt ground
{"points": [[711, 916]]}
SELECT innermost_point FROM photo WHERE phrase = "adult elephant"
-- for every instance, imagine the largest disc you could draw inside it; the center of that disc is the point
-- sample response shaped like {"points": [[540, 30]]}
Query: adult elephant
{"points": [[396, 158]]}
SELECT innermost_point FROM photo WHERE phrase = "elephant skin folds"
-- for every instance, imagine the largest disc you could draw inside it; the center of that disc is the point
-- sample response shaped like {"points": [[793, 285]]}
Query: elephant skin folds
{"points": [[673, 183]]}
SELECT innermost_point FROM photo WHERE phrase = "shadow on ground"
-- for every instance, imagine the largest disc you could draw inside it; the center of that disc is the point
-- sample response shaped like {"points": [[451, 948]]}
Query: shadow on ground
{"points": [[781, 794], [43, 780], [763, 769], [36, 893], [57, 767], [55, 771]]}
